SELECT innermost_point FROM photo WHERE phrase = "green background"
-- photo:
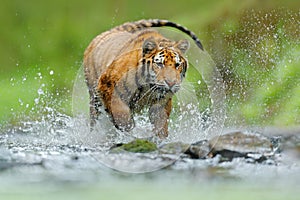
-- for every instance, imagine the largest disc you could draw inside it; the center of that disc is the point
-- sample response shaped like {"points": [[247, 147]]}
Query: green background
{"points": [[255, 45]]}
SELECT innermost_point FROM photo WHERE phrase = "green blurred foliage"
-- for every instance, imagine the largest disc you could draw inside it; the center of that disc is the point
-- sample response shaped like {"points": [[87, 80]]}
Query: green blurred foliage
{"points": [[261, 66], [255, 44]]}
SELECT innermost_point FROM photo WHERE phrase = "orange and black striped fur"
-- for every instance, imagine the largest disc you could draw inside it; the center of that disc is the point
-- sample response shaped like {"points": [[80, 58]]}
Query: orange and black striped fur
{"points": [[133, 66]]}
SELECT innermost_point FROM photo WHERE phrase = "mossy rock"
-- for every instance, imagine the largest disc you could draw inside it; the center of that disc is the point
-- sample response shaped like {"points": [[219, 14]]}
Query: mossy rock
{"points": [[138, 146]]}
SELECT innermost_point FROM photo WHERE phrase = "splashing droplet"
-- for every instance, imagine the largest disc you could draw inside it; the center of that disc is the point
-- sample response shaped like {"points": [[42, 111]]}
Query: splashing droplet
{"points": [[40, 91], [36, 101]]}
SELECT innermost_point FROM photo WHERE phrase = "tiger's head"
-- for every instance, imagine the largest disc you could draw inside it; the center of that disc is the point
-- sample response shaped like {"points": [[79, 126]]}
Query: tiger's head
{"points": [[165, 64]]}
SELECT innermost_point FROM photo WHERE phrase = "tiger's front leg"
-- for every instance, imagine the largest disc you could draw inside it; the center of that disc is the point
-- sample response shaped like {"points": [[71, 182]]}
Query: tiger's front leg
{"points": [[159, 116], [121, 114]]}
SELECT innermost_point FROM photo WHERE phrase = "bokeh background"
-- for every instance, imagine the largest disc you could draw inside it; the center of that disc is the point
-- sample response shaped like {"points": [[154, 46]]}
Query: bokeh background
{"points": [[254, 43]]}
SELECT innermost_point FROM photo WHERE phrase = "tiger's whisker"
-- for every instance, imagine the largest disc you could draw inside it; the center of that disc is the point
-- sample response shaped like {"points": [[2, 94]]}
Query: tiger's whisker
{"points": [[147, 92]]}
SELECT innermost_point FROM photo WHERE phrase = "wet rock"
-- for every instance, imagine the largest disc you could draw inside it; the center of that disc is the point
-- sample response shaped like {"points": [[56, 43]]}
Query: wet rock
{"points": [[199, 150], [276, 143], [238, 144], [251, 146], [196, 150], [174, 148]]}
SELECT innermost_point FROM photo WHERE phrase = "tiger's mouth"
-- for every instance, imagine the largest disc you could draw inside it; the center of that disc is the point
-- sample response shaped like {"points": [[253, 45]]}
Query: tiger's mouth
{"points": [[165, 88]]}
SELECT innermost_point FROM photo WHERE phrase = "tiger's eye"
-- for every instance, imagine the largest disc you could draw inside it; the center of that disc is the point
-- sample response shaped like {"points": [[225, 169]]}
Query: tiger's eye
{"points": [[177, 65], [156, 60]]}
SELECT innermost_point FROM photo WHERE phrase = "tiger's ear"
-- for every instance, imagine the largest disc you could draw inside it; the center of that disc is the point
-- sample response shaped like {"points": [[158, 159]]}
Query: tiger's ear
{"points": [[183, 45], [149, 46]]}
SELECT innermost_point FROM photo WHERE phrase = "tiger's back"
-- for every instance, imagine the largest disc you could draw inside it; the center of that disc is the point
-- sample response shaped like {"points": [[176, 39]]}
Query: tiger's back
{"points": [[101, 52], [122, 65]]}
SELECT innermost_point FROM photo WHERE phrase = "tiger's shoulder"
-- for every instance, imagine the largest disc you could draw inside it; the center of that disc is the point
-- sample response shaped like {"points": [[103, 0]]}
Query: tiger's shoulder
{"points": [[124, 40]]}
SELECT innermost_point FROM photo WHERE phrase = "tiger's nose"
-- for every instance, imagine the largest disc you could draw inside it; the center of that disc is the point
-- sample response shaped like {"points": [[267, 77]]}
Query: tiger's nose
{"points": [[170, 83]]}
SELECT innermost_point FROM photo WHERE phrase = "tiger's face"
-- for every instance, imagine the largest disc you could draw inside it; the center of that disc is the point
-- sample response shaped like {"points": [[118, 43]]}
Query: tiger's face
{"points": [[166, 64]]}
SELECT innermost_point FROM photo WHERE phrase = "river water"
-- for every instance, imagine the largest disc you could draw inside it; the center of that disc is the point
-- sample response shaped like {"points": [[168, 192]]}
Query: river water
{"points": [[38, 163], [58, 157]]}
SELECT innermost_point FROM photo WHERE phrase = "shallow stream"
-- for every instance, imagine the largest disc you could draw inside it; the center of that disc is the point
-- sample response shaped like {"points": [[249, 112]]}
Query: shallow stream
{"points": [[56, 165]]}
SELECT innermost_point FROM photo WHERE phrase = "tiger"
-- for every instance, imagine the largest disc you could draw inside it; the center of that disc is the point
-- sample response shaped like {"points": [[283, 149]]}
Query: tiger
{"points": [[133, 67]]}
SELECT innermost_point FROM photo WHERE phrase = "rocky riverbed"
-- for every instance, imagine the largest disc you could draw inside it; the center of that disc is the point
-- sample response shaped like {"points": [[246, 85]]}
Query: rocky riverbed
{"points": [[235, 157]]}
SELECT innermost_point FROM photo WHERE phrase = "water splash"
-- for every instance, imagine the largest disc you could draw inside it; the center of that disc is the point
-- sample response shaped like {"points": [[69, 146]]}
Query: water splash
{"points": [[250, 50], [192, 119]]}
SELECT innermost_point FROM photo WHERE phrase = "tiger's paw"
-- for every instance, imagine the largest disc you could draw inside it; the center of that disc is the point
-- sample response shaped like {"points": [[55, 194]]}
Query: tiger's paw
{"points": [[161, 133], [124, 125]]}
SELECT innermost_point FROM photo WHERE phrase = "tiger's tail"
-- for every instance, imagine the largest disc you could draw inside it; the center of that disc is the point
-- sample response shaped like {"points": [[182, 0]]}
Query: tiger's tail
{"points": [[133, 27]]}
